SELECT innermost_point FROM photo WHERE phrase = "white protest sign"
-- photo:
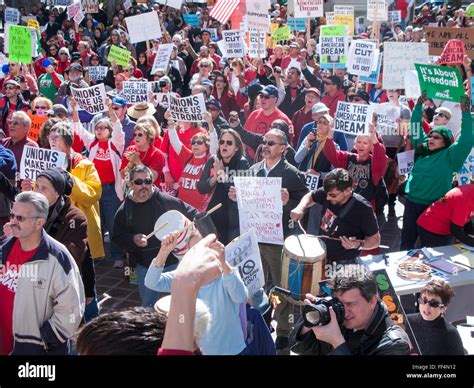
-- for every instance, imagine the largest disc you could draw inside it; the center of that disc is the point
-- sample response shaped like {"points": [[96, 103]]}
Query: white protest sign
{"points": [[361, 57], [398, 57], [177, 4], [188, 109], [163, 99], [243, 253], [73, 9], [387, 116], [257, 15], [135, 92], [233, 44], [35, 160], [260, 207], [394, 16], [312, 181], [213, 33], [353, 119], [97, 73], [162, 57], [306, 8], [254, 45], [11, 16], [377, 10], [92, 99], [145, 26], [329, 18], [412, 84], [127, 5], [405, 161], [79, 17]]}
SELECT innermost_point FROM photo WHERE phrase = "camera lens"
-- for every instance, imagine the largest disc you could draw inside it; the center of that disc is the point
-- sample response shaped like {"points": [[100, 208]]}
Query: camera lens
{"points": [[316, 314], [313, 317]]}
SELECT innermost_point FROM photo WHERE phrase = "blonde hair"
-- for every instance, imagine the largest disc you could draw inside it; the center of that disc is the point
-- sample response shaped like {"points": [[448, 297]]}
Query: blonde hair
{"points": [[148, 131], [150, 120], [44, 100]]}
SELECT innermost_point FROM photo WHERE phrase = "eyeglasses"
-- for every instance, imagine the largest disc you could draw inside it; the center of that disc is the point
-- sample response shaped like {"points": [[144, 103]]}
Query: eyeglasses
{"points": [[138, 134], [41, 107], [102, 127], [435, 137], [213, 109], [203, 66], [139, 182], [219, 80], [432, 303], [270, 143], [116, 107], [20, 218], [10, 87], [440, 114], [198, 142], [62, 53], [14, 122], [265, 96], [228, 142], [322, 122]]}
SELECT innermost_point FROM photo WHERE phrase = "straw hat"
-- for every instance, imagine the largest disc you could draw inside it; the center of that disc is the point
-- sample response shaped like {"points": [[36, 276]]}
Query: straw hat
{"points": [[141, 109]]}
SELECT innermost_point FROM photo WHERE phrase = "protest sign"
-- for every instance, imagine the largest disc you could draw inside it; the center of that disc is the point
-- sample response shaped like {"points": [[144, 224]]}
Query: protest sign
{"points": [[467, 170], [256, 49], [353, 119], [176, 4], [36, 124], [19, 44], [398, 57], [282, 33], [119, 56], [73, 9], [35, 160], [329, 18], [405, 161], [143, 27], [260, 207], [472, 91], [453, 52], [257, 15], [361, 57], [135, 92], [412, 85], [187, 108], [79, 17], [162, 57], [127, 5], [91, 99], [163, 99], [90, 6], [470, 11], [377, 10], [359, 25], [312, 181], [439, 82], [97, 73], [438, 38], [297, 24], [11, 16], [305, 8], [387, 116], [34, 24], [233, 44], [394, 16], [334, 46], [243, 253], [344, 14], [191, 19]]}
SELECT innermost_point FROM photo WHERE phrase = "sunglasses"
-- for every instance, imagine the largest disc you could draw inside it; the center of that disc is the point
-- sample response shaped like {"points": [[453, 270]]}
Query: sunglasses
{"points": [[270, 143], [140, 182], [228, 142], [20, 218], [10, 87], [116, 107], [441, 115], [203, 66], [62, 53], [210, 109], [102, 128], [41, 107], [265, 96], [198, 142], [138, 134], [432, 303]]}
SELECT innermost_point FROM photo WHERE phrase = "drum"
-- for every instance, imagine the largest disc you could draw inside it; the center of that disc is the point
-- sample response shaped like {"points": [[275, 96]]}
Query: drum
{"points": [[173, 221], [303, 259]]}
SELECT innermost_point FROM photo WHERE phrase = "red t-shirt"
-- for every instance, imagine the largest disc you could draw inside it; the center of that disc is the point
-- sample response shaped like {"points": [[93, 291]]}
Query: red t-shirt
{"points": [[103, 163], [8, 282], [193, 169], [457, 206], [175, 166], [153, 158]]}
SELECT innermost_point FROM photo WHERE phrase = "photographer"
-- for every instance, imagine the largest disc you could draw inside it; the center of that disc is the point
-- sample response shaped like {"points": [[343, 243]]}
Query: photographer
{"points": [[356, 323]]}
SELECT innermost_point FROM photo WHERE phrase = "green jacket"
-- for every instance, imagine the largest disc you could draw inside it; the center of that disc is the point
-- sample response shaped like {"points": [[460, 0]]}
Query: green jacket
{"points": [[432, 174]]}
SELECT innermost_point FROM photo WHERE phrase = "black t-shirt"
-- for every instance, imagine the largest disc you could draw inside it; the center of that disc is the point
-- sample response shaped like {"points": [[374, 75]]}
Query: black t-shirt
{"points": [[358, 221]]}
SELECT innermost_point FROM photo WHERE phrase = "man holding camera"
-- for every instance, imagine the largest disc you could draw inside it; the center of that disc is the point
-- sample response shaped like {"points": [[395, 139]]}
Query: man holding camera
{"points": [[354, 322]]}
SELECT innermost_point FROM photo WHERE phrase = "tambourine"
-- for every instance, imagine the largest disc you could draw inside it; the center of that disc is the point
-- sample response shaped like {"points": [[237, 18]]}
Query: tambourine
{"points": [[414, 271]]}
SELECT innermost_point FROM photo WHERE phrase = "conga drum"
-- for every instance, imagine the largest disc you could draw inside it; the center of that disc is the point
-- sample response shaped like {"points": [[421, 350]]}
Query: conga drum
{"points": [[173, 221], [303, 259]]}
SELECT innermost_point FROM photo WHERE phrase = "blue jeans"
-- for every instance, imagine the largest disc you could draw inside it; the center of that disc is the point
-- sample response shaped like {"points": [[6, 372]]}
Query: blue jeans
{"points": [[109, 204], [149, 297], [410, 231]]}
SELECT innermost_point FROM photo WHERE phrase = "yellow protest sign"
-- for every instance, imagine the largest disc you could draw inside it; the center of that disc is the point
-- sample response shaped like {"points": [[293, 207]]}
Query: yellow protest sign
{"points": [[281, 33], [344, 14], [34, 24], [120, 56]]}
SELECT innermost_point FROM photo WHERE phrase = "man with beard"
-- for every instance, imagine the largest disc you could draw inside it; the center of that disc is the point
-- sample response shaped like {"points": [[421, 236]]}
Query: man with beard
{"points": [[136, 218]]}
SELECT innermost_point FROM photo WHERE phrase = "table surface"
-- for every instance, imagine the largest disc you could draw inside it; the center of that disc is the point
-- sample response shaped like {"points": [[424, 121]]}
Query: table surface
{"points": [[408, 286]]}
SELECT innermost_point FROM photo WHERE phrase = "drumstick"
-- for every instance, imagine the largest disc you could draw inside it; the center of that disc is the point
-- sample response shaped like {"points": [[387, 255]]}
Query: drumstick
{"points": [[156, 230], [337, 239], [301, 227]]}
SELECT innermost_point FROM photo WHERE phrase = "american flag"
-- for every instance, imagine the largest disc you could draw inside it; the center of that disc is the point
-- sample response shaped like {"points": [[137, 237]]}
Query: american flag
{"points": [[222, 11]]}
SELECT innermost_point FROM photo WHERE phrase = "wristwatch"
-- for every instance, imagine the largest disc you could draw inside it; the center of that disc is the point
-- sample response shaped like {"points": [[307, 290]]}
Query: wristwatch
{"points": [[361, 246]]}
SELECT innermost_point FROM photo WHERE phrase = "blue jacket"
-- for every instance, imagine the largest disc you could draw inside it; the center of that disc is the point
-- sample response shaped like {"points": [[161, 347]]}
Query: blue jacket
{"points": [[7, 162], [339, 137]]}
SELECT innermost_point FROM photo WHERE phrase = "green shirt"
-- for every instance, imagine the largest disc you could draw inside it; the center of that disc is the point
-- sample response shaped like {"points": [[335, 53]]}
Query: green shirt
{"points": [[46, 85]]}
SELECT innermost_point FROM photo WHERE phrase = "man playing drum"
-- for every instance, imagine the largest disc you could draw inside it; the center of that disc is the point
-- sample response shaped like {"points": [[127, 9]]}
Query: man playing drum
{"points": [[348, 219]]}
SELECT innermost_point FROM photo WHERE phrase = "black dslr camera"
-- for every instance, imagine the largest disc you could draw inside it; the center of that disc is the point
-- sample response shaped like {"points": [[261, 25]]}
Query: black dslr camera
{"points": [[317, 313]]}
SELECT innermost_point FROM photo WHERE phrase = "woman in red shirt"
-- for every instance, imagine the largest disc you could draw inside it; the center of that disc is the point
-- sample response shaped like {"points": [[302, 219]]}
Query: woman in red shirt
{"points": [[224, 95]]}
